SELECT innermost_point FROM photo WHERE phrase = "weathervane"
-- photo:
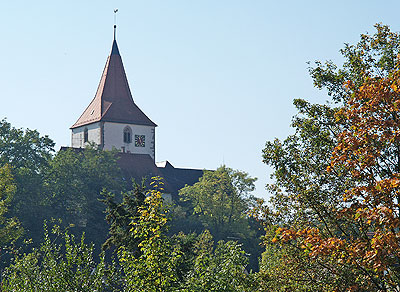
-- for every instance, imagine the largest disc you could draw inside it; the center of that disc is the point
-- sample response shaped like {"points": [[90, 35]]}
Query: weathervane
{"points": [[115, 22]]}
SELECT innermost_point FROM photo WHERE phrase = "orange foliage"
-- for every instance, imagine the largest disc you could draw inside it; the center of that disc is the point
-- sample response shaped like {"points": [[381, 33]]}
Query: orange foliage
{"points": [[369, 149]]}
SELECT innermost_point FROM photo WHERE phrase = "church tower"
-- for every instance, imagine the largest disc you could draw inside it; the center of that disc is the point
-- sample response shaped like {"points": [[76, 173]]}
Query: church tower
{"points": [[112, 119]]}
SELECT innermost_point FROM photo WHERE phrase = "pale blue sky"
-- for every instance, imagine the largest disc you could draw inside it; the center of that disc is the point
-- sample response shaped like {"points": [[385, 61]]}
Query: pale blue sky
{"points": [[218, 77]]}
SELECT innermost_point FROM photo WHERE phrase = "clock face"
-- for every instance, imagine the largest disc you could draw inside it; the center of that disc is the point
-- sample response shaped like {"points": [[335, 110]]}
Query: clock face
{"points": [[140, 140]]}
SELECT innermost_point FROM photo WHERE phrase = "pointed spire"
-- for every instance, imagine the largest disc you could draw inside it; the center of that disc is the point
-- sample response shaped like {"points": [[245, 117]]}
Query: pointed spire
{"points": [[113, 101], [114, 50]]}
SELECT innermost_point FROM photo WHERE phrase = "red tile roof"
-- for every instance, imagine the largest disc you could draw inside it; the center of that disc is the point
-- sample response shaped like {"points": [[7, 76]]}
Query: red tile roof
{"points": [[113, 101]]}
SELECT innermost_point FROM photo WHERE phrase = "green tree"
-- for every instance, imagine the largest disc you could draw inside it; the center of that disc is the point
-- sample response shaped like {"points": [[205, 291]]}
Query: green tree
{"points": [[217, 269], [28, 153], [66, 266], [220, 201], [10, 228], [120, 217], [73, 186], [24, 148], [180, 262], [155, 268]]}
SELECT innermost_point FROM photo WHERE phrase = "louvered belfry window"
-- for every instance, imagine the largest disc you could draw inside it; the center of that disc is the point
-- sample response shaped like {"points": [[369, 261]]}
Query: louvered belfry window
{"points": [[85, 135], [127, 135]]}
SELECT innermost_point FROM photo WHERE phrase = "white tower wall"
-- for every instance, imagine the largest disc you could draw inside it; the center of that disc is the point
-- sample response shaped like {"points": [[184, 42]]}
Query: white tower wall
{"points": [[114, 138], [94, 135]]}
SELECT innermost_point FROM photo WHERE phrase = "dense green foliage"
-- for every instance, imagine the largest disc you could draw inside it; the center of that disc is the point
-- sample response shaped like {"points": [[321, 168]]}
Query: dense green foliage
{"points": [[86, 191], [66, 266], [220, 203], [72, 188], [159, 262], [220, 200], [155, 267], [28, 154], [65, 186], [120, 216], [10, 228], [332, 223]]}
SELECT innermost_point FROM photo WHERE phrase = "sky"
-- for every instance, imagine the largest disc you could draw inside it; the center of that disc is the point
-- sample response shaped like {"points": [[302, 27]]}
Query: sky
{"points": [[217, 76]]}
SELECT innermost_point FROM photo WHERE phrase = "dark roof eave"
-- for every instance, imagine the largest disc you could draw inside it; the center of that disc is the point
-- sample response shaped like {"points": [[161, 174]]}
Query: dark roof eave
{"points": [[129, 122], [74, 126], [114, 121]]}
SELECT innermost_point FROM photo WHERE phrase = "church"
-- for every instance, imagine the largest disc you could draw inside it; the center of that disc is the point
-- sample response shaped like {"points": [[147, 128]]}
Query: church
{"points": [[113, 120]]}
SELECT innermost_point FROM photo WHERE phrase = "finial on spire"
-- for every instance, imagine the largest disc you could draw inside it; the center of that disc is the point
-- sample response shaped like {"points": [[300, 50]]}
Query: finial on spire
{"points": [[115, 22]]}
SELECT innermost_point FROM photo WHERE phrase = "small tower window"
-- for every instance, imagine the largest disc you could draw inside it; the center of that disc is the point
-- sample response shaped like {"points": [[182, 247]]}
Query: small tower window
{"points": [[85, 135], [127, 135]]}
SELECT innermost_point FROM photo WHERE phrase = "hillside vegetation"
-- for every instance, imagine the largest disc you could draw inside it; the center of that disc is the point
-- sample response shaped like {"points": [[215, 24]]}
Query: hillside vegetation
{"points": [[69, 221]]}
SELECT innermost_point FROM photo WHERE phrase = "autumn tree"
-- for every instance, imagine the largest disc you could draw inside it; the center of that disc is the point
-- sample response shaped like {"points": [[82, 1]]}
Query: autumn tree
{"points": [[318, 220], [370, 150], [305, 195]]}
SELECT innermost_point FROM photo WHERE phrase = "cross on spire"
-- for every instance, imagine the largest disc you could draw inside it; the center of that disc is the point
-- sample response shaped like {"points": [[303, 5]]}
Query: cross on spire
{"points": [[115, 22]]}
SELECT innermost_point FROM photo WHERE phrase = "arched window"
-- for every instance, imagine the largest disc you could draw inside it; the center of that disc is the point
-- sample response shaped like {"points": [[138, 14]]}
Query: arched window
{"points": [[85, 135], [127, 135]]}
